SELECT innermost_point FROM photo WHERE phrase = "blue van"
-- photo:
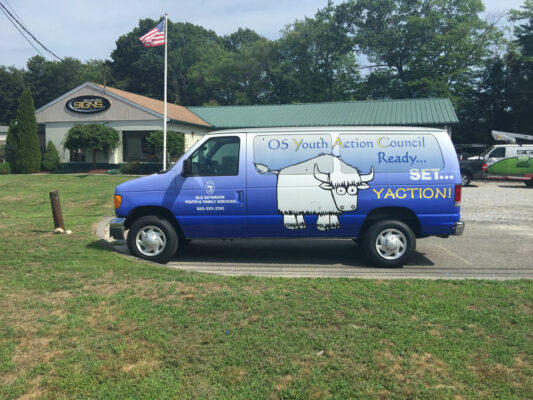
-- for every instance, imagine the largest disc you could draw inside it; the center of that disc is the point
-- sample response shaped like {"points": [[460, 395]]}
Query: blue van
{"points": [[382, 186]]}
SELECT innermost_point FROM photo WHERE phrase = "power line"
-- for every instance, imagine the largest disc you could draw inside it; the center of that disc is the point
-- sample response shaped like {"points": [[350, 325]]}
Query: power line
{"points": [[14, 12], [29, 33], [22, 33]]}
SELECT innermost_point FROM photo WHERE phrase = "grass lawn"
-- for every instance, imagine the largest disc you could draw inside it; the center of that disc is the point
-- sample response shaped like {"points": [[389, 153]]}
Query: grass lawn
{"points": [[80, 321]]}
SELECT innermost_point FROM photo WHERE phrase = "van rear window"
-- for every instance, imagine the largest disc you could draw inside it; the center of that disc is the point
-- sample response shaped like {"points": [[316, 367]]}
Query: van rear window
{"points": [[280, 151], [390, 153]]}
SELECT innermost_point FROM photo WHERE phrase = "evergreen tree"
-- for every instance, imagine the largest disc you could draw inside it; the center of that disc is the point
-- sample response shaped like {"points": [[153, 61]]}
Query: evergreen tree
{"points": [[51, 159], [23, 142]]}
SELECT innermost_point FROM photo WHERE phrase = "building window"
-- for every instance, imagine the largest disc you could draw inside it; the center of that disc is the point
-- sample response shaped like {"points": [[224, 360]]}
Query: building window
{"points": [[135, 147], [78, 155], [41, 132]]}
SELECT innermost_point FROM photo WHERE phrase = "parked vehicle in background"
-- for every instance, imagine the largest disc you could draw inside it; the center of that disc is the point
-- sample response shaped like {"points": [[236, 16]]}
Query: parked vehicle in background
{"points": [[471, 169], [385, 186], [470, 161], [510, 161]]}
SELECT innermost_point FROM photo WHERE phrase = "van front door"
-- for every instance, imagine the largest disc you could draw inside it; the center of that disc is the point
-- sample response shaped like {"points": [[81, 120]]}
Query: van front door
{"points": [[211, 201]]}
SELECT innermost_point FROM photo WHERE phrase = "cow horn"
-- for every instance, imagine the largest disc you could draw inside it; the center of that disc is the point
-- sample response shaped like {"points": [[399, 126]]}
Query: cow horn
{"points": [[320, 175], [368, 177]]}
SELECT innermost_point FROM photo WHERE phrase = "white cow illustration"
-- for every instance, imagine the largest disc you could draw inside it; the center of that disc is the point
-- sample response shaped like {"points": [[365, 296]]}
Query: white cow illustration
{"points": [[324, 185]]}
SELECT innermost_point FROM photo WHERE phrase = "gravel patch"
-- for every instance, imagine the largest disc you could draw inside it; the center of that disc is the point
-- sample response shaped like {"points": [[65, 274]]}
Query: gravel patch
{"points": [[497, 202]]}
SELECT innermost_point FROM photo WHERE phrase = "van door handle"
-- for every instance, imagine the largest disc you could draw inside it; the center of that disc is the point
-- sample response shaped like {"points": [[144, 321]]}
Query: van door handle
{"points": [[239, 194]]}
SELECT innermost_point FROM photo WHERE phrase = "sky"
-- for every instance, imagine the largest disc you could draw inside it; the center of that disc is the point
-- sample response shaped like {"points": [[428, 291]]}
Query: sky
{"points": [[88, 29]]}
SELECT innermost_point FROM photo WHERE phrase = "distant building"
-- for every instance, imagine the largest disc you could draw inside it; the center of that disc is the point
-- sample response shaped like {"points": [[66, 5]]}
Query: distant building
{"points": [[135, 117], [3, 134]]}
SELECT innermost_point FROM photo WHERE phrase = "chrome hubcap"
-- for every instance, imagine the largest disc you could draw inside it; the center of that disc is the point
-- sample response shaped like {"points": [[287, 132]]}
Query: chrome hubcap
{"points": [[151, 241], [391, 244], [464, 179]]}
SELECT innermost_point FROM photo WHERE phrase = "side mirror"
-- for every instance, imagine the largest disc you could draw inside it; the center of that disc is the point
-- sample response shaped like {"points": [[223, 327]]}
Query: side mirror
{"points": [[187, 167]]}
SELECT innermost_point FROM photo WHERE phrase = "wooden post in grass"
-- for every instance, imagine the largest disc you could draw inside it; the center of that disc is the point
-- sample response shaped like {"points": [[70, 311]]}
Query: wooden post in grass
{"points": [[56, 210]]}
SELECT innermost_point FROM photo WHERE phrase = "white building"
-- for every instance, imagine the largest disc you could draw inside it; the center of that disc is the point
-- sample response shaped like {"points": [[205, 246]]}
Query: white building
{"points": [[134, 116]]}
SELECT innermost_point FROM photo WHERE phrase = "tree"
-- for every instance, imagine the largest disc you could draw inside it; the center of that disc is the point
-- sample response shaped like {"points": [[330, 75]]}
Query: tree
{"points": [[11, 87], [524, 31], [22, 140], [430, 47], [93, 137], [51, 160], [316, 59], [51, 79], [140, 70], [175, 143]]}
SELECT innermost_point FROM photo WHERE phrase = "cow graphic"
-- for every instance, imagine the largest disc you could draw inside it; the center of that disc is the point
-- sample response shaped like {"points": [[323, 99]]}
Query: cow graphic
{"points": [[324, 186]]}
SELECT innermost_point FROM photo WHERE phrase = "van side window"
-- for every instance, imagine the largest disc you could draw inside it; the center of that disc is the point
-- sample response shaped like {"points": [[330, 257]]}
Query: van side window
{"points": [[498, 153], [217, 157]]}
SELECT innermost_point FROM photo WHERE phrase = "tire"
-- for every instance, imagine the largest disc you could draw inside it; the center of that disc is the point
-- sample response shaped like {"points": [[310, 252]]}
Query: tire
{"points": [[465, 178], [160, 240], [529, 183], [401, 239]]}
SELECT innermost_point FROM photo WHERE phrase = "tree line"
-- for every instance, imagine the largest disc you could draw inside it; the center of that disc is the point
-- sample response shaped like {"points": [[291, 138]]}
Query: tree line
{"points": [[356, 50]]}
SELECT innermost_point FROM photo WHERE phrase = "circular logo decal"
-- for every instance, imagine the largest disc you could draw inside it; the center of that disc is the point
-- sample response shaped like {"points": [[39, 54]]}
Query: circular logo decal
{"points": [[210, 187]]}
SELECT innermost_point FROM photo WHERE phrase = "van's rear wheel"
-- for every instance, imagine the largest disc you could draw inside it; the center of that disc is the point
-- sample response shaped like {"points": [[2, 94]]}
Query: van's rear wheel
{"points": [[153, 238], [389, 243]]}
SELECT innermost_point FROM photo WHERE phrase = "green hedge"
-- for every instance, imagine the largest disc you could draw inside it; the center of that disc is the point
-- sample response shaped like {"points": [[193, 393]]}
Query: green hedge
{"points": [[5, 169]]}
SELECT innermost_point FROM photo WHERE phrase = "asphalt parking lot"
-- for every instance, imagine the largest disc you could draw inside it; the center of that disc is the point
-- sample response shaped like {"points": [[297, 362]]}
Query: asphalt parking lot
{"points": [[497, 244]]}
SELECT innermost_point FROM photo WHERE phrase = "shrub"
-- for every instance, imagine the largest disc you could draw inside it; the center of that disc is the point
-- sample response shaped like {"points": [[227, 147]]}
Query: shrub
{"points": [[132, 168], [51, 160], [5, 169], [175, 143], [2, 153], [92, 137]]}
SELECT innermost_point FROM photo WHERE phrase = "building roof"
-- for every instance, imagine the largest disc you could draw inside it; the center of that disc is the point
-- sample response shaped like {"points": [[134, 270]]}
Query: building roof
{"points": [[174, 111], [154, 107], [357, 113]]}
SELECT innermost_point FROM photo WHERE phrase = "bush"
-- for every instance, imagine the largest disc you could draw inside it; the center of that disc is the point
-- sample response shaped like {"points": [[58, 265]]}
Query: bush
{"points": [[137, 168], [132, 168], [5, 169], [93, 137], [175, 143], [51, 160], [2, 153]]}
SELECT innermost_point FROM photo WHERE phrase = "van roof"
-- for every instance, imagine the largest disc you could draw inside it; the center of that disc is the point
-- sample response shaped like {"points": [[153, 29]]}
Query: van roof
{"points": [[338, 129]]}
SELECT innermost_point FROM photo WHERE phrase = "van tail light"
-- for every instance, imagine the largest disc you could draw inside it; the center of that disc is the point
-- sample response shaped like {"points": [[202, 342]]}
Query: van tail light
{"points": [[484, 167], [118, 200], [457, 195]]}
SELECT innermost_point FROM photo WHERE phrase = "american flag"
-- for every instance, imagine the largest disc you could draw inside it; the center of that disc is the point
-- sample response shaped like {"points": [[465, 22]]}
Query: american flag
{"points": [[155, 37]]}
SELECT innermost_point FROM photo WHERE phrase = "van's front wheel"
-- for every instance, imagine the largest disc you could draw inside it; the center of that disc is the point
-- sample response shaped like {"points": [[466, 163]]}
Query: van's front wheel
{"points": [[389, 243], [153, 238]]}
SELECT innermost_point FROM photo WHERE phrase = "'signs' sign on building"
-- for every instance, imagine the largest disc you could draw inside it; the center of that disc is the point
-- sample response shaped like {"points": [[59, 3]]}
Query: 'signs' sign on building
{"points": [[88, 104]]}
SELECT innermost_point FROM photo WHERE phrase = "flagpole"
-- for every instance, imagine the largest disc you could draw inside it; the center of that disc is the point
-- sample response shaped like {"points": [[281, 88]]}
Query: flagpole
{"points": [[165, 106]]}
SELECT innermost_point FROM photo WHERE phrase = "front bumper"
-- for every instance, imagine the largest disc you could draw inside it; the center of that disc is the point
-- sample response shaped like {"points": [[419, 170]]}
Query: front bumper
{"points": [[458, 228], [116, 228]]}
